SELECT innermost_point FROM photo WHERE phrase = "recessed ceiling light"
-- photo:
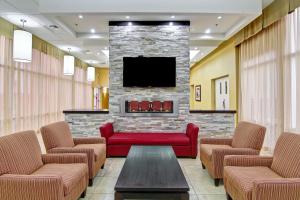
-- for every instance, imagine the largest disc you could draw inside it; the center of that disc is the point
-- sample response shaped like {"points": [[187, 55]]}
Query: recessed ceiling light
{"points": [[93, 30], [88, 52], [171, 23], [105, 48], [92, 61], [127, 17], [172, 17], [98, 53], [53, 26], [129, 23], [106, 53], [207, 31], [196, 48], [67, 47], [193, 54], [219, 17], [80, 16]]}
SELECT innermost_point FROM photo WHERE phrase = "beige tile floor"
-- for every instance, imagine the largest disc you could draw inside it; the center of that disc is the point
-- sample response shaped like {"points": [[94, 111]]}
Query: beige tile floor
{"points": [[201, 185]]}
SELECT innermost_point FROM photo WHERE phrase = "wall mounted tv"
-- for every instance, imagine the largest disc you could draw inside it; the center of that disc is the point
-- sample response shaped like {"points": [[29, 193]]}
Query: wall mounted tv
{"points": [[149, 71]]}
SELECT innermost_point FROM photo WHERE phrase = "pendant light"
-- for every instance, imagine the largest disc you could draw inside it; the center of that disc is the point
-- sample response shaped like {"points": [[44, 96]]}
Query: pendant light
{"points": [[22, 45], [69, 64], [90, 74]]}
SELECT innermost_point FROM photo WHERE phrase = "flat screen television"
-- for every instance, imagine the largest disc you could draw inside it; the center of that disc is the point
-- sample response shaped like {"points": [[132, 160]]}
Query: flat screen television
{"points": [[149, 71]]}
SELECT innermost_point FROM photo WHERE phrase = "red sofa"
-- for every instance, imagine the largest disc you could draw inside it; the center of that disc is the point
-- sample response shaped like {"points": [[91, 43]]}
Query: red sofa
{"points": [[119, 143]]}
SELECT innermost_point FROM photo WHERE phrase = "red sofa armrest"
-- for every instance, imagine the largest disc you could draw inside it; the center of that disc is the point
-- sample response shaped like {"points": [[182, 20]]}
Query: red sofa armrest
{"points": [[106, 130], [192, 132]]}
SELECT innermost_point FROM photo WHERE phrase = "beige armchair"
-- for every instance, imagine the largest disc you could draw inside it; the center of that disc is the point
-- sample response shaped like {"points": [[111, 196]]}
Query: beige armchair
{"points": [[261, 178], [247, 140], [57, 138], [28, 175]]}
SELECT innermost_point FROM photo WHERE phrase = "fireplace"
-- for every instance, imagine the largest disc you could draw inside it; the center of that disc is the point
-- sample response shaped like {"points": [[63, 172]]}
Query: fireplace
{"points": [[149, 107]]}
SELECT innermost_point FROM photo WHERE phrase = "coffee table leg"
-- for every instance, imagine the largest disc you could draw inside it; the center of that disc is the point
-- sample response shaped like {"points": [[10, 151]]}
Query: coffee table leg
{"points": [[185, 196], [118, 196]]}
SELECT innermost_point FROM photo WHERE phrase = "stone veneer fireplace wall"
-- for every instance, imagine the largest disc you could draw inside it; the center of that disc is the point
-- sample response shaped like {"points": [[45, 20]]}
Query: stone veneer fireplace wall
{"points": [[149, 41]]}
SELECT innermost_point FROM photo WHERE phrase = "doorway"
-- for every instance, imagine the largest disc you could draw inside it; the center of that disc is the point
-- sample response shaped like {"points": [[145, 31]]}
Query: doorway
{"points": [[222, 93]]}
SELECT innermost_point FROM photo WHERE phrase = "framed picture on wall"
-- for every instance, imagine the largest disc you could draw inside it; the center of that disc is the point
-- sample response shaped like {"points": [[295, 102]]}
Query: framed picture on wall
{"points": [[198, 92]]}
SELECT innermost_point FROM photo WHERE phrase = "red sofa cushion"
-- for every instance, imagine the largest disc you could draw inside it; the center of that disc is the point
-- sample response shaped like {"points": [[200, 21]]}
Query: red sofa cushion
{"points": [[149, 139]]}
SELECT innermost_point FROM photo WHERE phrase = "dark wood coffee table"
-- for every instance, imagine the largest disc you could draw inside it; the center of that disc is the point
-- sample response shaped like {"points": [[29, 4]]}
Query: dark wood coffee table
{"points": [[151, 172]]}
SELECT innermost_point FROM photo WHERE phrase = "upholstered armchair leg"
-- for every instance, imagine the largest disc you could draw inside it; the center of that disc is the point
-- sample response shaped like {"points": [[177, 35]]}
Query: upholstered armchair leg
{"points": [[228, 196], [102, 167], [91, 182], [83, 194], [217, 181], [203, 166]]}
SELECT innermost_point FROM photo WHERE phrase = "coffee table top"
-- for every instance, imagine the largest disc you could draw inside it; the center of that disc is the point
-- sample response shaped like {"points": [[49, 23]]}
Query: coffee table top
{"points": [[151, 169]]}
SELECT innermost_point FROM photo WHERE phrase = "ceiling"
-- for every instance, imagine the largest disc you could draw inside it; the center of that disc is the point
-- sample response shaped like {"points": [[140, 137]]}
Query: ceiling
{"points": [[67, 26]]}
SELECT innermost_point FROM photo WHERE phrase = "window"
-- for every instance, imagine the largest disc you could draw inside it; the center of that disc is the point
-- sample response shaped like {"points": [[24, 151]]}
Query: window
{"points": [[292, 72], [270, 78], [261, 86], [34, 94]]}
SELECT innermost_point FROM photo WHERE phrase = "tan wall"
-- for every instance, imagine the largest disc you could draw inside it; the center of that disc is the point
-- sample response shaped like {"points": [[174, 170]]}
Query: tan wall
{"points": [[220, 63]]}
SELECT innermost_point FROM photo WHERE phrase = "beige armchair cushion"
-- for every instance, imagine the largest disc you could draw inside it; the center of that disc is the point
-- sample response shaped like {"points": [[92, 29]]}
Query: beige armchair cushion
{"points": [[286, 158], [248, 135], [71, 174], [99, 149], [20, 153], [240, 179], [207, 149], [57, 135]]}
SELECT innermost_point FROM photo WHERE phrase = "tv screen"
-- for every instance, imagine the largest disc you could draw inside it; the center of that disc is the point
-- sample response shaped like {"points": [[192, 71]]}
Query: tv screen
{"points": [[149, 72]]}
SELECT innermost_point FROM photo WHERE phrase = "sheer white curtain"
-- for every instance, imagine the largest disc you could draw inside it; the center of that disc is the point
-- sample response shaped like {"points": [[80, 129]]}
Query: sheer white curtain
{"points": [[36, 93], [83, 89], [292, 73], [261, 81], [5, 76]]}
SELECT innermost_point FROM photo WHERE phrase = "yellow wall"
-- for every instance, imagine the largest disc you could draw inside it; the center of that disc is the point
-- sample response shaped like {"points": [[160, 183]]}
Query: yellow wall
{"points": [[102, 81], [101, 77], [6, 28], [220, 63]]}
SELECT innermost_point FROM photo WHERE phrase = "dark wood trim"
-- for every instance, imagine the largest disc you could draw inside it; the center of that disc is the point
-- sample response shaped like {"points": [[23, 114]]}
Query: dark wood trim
{"points": [[85, 111], [149, 23], [214, 111]]}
